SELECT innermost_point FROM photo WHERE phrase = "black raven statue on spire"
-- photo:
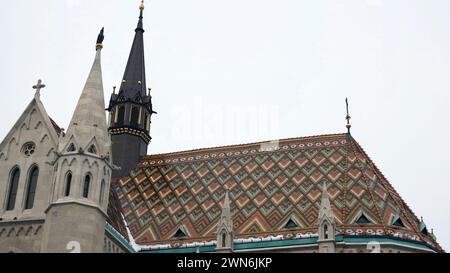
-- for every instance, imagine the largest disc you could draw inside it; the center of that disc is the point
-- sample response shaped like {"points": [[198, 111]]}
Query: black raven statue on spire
{"points": [[100, 36]]}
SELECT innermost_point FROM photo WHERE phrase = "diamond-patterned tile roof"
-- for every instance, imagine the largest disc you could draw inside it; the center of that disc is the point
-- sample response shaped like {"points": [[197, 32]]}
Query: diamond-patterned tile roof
{"points": [[269, 183], [115, 213]]}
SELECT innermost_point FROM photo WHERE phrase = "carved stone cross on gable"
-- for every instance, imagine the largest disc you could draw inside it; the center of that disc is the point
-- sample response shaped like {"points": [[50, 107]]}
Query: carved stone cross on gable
{"points": [[38, 87]]}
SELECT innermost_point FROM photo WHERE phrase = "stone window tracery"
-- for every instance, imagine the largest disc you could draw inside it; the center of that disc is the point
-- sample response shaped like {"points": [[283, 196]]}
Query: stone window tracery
{"points": [[28, 149]]}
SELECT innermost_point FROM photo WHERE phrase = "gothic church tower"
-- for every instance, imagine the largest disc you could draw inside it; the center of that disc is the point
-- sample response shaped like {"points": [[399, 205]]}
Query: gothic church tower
{"points": [[130, 109], [76, 216]]}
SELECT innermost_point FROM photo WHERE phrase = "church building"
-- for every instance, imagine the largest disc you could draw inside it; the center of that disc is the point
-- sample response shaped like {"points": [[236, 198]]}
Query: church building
{"points": [[93, 188]]}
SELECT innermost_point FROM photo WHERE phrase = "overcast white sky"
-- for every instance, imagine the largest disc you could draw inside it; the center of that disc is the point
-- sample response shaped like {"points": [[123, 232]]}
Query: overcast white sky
{"points": [[238, 71]]}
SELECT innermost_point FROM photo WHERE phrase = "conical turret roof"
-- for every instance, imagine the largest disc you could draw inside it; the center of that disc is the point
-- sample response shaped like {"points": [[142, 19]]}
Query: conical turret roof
{"points": [[88, 124]]}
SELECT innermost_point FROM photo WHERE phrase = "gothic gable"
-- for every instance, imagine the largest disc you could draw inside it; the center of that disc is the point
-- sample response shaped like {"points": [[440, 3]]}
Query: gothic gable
{"points": [[28, 148], [34, 126]]}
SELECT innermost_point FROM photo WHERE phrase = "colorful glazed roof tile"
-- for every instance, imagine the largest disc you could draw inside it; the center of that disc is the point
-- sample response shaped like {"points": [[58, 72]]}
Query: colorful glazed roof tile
{"points": [[269, 184], [115, 214]]}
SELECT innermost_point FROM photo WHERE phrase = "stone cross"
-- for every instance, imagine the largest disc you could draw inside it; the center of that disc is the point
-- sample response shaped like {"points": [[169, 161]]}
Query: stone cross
{"points": [[38, 87]]}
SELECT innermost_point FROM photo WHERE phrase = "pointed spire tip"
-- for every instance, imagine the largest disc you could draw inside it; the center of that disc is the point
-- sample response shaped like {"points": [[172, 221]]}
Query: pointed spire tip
{"points": [[226, 201], [100, 39]]}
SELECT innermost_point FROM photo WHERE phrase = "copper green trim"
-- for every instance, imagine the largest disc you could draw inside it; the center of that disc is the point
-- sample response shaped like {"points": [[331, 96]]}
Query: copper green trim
{"points": [[114, 233], [293, 242]]}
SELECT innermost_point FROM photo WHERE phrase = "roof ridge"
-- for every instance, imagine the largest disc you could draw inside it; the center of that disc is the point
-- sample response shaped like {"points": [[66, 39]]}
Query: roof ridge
{"points": [[239, 145], [404, 204], [364, 178]]}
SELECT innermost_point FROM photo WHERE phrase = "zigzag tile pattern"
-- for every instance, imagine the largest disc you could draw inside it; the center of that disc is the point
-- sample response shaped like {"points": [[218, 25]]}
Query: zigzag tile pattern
{"points": [[269, 183]]}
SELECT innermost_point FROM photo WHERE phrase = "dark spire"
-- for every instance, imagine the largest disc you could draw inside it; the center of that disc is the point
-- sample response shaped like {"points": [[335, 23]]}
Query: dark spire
{"points": [[130, 109], [133, 81]]}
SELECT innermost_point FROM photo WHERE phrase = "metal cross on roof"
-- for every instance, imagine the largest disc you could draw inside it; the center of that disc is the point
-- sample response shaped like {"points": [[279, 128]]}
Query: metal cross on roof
{"points": [[38, 87], [347, 117]]}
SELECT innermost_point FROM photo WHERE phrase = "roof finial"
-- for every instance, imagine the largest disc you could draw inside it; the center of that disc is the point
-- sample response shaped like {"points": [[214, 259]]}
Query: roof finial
{"points": [[100, 38], [38, 87], [325, 188], [141, 16], [347, 117], [226, 202]]}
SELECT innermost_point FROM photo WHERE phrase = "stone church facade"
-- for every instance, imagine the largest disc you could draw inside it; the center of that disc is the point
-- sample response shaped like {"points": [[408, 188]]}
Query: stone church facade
{"points": [[93, 188]]}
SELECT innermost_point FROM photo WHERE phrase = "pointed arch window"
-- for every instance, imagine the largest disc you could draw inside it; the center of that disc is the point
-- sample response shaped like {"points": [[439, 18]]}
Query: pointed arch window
{"points": [[224, 239], [68, 184], [92, 149], [102, 192], [12, 192], [134, 121], [138, 98], [147, 122], [31, 188], [325, 231], [71, 148], [121, 116], [86, 184]]}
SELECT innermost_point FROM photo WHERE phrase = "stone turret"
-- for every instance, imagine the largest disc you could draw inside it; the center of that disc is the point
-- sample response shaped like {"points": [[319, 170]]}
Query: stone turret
{"points": [[76, 215]]}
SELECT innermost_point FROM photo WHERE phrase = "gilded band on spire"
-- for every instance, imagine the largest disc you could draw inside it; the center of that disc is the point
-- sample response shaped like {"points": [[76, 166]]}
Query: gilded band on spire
{"points": [[141, 7]]}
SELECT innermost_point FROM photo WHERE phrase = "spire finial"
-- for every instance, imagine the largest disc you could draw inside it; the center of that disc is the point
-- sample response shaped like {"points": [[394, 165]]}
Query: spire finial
{"points": [[38, 87], [347, 117], [325, 187], [100, 38], [226, 201], [325, 204], [141, 16]]}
